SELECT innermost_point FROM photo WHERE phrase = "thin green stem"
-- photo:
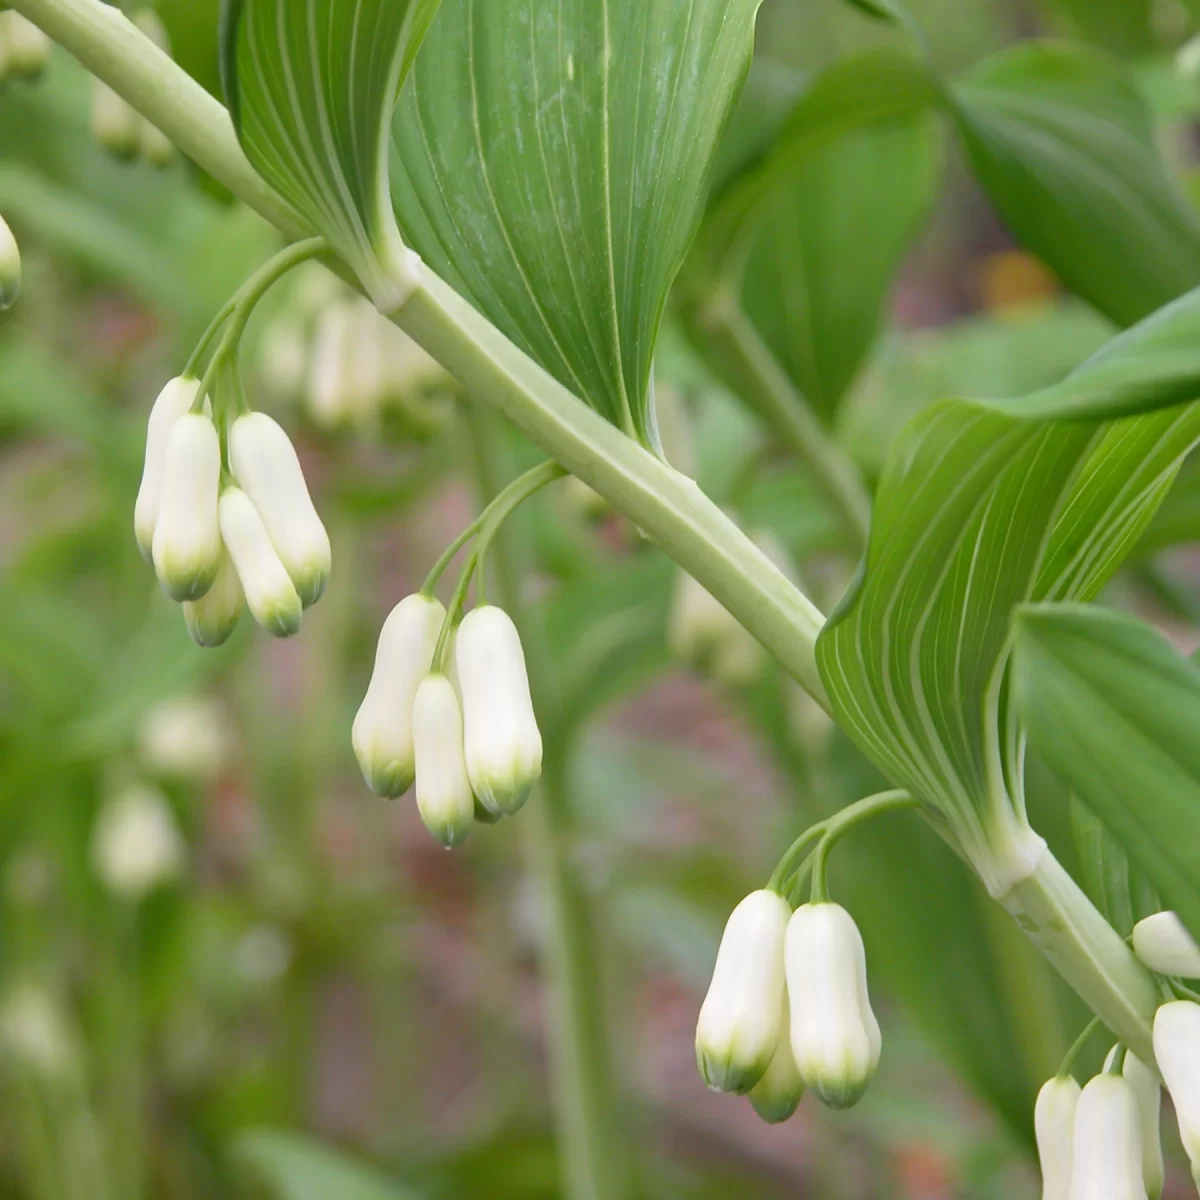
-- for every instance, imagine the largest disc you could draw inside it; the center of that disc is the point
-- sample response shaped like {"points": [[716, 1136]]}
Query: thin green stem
{"points": [[838, 826], [1114, 1064], [454, 611], [768, 388], [777, 882], [193, 364], [1068, 1063], [510, 499], [440, 567]]}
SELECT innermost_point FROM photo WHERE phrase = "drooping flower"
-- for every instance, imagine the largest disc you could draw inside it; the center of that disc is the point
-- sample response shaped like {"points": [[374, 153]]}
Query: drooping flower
{"points": [[1148, 1092], [702, 632], [737, 1034], [1106, 1162], [174, 401], [502, 739], [186, 545], [383, 728], [116, 124], [136, 845], [777, 1094], [270, 594], [212, 619], [1165, 946], [10, 266], [1177, 1052], [835, 1036], [444, 794], [1054, 1126]]}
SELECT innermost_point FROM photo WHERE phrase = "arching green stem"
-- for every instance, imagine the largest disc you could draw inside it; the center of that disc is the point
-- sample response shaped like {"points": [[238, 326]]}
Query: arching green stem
{"points": [[1068, 1063], [838, 826]]}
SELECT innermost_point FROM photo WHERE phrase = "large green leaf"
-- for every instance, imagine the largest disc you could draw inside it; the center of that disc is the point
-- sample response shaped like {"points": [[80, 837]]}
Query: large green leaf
{"points": [[311, 85], [1061, 141], [1115, 711], [982, 506], [824, 253], [293, 1167], [1114, 885], [551, 163]]}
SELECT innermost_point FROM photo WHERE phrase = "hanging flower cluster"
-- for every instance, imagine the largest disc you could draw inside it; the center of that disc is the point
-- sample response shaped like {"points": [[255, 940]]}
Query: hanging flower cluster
{"points": [[449, 705], [116, 124], [24, 48], [1102, 1142], [10, 265]]}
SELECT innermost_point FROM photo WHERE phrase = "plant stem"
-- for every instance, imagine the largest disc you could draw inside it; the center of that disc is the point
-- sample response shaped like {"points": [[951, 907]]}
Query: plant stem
{"points": [[765, 385], [580, 1056], [666, 505]]}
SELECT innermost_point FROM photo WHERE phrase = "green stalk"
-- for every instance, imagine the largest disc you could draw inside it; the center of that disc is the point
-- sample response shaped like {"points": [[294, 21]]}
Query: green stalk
{"points": [[580, 1056]]}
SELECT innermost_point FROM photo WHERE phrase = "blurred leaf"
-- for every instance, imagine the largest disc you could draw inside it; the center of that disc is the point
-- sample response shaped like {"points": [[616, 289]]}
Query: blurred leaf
{"points": [[1123, 27], [1061, 141], [293, 1167], [1114, 711], [1113, 885], [1177, 521], [552, 163]]}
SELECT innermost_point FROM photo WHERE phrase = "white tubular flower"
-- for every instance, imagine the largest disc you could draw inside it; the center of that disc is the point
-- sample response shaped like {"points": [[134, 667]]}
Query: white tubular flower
{"points": [[4, 45], [503, 743], [174, 401], [835, 1037], [330, 398], [34, 1031], [267, 468], [701, 631], [1187, 62], [185, 737], [1054, 1126], [1106, 1163], [444, 793], [10, 265], [186, 545], [212, 619], [273, 600], [1177, 1052], [383, 728], [776, 1096], [28, 47], [1165, 946], [136, 845], [116, 125], [1148, 1092], [737, 1034]]}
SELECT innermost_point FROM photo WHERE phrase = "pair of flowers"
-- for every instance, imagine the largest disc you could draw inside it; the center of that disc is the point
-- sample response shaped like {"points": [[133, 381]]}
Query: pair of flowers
{"points": [[788, 1008], [452, 713], [228, 523], [1102, 1142], [24, 48]]}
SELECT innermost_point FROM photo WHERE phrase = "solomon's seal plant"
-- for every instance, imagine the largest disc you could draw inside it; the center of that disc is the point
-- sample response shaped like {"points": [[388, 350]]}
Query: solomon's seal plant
{"points": [[529, 192]]}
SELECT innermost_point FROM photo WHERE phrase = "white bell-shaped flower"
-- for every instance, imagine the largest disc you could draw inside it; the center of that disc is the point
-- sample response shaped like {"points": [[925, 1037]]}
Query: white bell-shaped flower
{"points": [[186, 737], [116, 124], [267, 469], [737, 1033], [174, 401], [186, 546], [1177, 1052], [1106, 1162], [383, 728], [1147, 1090], [1054, 1127], [330, 381], [212, 619], [444, 794], [1165, 946], [701, 631], [272, 597], [28, 48], [10, 266], [503, 743], [777, 1094], [136, 845], [835, 1037]]}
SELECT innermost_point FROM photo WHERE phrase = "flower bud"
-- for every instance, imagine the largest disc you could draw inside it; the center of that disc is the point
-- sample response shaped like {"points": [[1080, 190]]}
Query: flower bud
{"points": [[777, 1094], [1054, 1126], [835, 1037], [28, 48], [116, 125], [270, 594], [136, 845], [156, 148], [1187, 63], [212, 619], [503, 744], [186, 545], [1177, 1052], [1165, 946], [701, 631], [265, 464], [1106, 1162], [174, 401], [1148, 1092], [10, 266], [737, 1034], [383, 728], [444, 793]]}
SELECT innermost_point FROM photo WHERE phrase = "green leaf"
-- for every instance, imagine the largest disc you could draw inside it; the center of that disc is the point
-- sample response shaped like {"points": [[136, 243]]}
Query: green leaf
{"points": [[983, 506], [888, 10], [1061, 142], [825, 251], [1114, 711], [293, 1167], [552, 164], [311, 85], [1116, 888]]}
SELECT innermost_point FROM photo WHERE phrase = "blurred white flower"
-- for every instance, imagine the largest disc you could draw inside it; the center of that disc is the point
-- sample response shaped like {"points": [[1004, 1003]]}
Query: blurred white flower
{"points": [[212, 619], [116, 124], [34, 1031], [136, 845], [1165, 946], [10, 265], [185, 737], [703, 633], [1177, 1053], [262, 955]]}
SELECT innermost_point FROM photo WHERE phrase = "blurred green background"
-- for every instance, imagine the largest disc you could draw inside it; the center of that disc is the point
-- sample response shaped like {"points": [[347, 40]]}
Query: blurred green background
{"points": [[306, 984]]}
